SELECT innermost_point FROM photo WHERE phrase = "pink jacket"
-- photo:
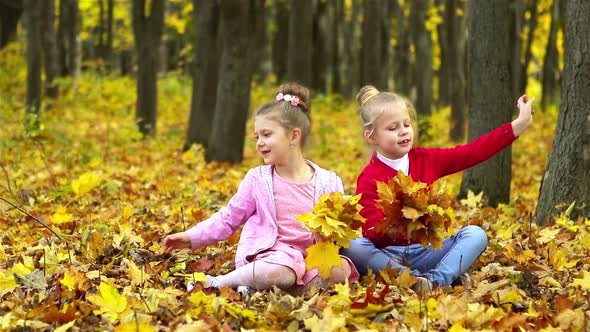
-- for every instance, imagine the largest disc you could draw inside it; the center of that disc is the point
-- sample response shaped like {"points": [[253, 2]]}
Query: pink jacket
{"points": [[253, 206]]}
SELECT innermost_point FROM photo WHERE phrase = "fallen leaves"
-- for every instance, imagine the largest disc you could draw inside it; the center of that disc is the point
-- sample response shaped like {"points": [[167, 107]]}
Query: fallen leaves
{"points": [[415, 210]]}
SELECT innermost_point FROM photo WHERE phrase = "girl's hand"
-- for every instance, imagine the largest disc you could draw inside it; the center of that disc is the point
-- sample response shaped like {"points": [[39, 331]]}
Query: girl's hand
{"points": [[525, 115], [176, 241]]}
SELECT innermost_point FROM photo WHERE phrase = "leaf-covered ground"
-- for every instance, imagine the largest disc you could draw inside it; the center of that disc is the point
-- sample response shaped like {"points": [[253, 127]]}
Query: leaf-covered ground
{"points": [[113, 196]]}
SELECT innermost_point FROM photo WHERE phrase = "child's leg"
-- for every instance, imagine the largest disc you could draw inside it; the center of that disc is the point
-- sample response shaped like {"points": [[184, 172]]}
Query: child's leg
{"points": [[363, 253], [459, 252], [259, 275]]}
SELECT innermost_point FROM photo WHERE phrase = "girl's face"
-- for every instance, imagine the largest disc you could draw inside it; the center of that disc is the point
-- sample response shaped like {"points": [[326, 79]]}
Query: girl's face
{"points": [[272, 140], [393, 133]]}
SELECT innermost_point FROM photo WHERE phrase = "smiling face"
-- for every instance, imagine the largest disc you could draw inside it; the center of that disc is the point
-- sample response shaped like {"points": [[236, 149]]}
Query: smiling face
{"points": [[393, 133], [272, 140]]}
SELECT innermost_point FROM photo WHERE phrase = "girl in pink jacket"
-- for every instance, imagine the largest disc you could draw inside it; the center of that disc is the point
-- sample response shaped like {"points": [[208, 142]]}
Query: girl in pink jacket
{"points": [[271, 250]]}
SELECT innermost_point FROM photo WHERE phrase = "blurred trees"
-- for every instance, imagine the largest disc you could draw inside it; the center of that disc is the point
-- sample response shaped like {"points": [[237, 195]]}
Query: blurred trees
{"points": [[416, 48]]}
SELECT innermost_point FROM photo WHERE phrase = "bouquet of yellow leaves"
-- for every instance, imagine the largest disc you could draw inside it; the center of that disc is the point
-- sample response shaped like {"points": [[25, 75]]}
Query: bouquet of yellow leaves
{"points": [[414, 209], [336, 220]]}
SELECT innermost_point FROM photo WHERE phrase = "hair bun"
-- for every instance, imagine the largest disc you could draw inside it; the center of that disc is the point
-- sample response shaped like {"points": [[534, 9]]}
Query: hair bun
{"points": [[365, 93], [296, 89]]}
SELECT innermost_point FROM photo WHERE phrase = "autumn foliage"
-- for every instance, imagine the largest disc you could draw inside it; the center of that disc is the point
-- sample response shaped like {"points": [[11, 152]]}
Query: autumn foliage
{"points": [[113, 195], [336, 221], [418, 211]]}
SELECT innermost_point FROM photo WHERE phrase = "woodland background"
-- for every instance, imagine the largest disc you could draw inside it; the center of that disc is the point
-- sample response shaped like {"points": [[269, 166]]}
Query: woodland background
{"points": [[124, 121]]}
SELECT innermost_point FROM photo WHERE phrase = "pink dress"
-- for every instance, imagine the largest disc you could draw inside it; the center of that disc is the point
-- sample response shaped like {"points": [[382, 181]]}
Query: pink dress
{"points": [[289, 247]]}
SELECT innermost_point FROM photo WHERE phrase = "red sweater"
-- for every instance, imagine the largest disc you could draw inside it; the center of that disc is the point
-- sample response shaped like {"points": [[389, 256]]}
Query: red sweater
{"points": [[426, 165]]}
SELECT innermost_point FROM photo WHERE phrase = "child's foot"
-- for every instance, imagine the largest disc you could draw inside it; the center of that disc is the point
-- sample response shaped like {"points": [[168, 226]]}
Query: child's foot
{"points": [[463, 280], [244, 291], [212, 282], [422, 286]]}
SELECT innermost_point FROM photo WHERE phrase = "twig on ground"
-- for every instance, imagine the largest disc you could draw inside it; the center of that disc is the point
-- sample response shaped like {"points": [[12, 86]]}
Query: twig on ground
{"points": [[32, 216]]}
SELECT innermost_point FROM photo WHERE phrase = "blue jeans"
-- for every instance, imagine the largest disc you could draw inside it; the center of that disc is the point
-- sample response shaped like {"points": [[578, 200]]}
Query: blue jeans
{"points": [[441, 266]]}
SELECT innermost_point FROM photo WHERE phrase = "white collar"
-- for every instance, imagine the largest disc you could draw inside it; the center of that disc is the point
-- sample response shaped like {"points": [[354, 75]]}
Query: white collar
{"points": [[401, 164]]}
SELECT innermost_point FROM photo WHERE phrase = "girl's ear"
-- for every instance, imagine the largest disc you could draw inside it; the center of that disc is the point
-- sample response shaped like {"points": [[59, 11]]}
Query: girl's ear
{"points": [[369, 137], [295, 135]]}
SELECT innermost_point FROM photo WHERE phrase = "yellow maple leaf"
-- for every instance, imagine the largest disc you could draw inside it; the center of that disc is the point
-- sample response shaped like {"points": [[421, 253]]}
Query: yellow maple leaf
{"points": [[109, 301], [547, 235], [72, 278], [61, 216], [86, 183], [331, 321], [136, 275], [335, 217], [472, 201], [324, 256], [584, 282]]}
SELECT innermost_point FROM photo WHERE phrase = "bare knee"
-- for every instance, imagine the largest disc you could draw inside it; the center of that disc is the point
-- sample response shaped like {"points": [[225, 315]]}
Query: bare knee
{"points": [[274, 275], [340, 274]]}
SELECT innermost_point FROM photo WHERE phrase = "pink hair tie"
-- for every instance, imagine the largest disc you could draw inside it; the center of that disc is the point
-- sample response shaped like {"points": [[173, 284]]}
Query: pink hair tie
{"points": [[294, 100]]}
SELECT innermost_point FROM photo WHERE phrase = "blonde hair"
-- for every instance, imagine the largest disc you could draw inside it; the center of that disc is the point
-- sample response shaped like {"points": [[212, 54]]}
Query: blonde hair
{"points": [[290, 116], [373, 103]]}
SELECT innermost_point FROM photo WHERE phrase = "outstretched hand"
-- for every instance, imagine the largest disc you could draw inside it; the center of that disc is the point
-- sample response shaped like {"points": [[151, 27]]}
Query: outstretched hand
{"points": [[176, 241], [525, 115]]}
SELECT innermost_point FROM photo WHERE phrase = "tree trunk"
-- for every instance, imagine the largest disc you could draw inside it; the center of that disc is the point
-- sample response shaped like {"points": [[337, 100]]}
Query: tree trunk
{"points": [[10, 12], [351, 77], [337, 26], [516, 46], [456, 62], [300, 42], [280, 43], [423, 72], [567, 177], [233, 89], [550, 78], [68, 38], [206, 64], [147, 31], [373, 71], [528, 53], [445, 36], [321, 47], [401, 60], [32, 10], [49, 46], [259, 49], [490, 95]]}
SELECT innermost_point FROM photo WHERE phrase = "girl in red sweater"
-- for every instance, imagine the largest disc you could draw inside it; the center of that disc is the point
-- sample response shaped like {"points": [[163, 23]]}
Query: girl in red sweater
{"points": [[388, 127]]}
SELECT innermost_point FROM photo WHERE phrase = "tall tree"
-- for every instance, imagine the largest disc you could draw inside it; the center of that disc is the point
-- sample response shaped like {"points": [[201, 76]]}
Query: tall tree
{"points": [[259, 49], [402, 64], [528, 52], [490, 100], [567, 177], [280, 39], [206, 65], [10, 12], [550, 78], [455, 39], [300, 41], [148, 26], [49, 46], [351, 54], [68, 32], [34, 53], [321, 47], [233, 88], [104, 34], [423, 72], [373, 63]]}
